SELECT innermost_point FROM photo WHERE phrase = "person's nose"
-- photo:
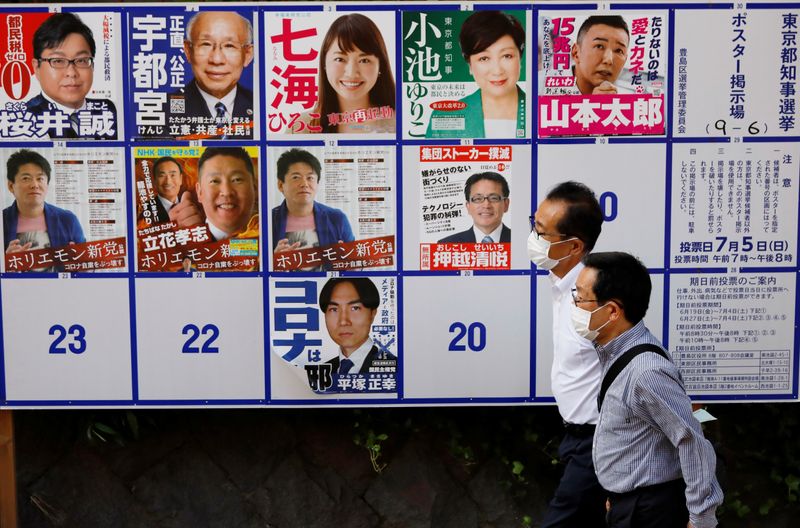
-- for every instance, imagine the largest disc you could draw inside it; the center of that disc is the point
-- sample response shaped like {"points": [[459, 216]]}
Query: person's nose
{"points": [[344, 317], [351, 67], [225, 188], [495, 67], [216, 56], [608, 56]]}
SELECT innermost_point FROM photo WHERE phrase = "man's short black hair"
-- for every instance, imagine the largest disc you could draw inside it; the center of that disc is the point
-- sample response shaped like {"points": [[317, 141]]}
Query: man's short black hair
{"points": [[491, 176], [621, 277], [614, 21], [483, 28], [367, 292], [583, 218], [54, 30], [23, 157], [234, 152], [296, 155], [165, 159]]}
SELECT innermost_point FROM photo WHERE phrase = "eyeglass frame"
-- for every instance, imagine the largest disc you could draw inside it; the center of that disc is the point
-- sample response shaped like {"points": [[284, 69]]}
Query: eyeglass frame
{"points": [[218, 46], [574, 292], [532, 220], [500, 198], [68, 62]]}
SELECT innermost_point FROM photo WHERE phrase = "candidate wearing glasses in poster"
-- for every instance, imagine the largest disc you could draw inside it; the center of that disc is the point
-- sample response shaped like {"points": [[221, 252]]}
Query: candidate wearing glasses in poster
{"points": [[355, 75], [30, 222], [64, 51], [600, 53], [350, 305], [487, 201], [492, 43], [219, 46], [300, 222]]}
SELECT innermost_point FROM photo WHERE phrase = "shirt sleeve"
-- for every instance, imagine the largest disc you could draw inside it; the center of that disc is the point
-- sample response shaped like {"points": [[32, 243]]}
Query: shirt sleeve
{"points": [[660, 399]]}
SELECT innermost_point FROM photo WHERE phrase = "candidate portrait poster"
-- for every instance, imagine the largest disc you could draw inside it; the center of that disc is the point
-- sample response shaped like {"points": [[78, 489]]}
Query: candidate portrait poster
{"points": [[602, 73], [64, 210], [330, 73], [457, 84], [69, 91], [199, 203], [193, 74]]}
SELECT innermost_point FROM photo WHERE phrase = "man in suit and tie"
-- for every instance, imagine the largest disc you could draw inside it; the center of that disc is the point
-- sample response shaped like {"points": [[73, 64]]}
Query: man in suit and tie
{"points": [[487, 201], [172, 204], [64, 53], [350, 305], [218, 45]]}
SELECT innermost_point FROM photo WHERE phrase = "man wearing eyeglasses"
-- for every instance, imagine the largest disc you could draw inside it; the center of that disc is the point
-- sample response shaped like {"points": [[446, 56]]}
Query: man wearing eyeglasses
{"points": [[487, 201], [219, 46], [64, 50], [564, 228]]}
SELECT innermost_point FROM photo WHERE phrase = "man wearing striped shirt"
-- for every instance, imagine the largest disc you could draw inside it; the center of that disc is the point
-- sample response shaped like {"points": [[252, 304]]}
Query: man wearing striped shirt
{"points": [[649, 451]]}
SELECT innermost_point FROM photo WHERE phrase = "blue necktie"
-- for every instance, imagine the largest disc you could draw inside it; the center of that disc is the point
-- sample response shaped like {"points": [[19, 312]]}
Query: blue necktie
{"points": [[221, 116], [487, 240], [345, 366]]}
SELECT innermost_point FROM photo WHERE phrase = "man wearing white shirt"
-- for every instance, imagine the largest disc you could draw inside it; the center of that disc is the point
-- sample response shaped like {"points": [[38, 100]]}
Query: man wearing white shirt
{"points": [[487, 201], [565, 227]]}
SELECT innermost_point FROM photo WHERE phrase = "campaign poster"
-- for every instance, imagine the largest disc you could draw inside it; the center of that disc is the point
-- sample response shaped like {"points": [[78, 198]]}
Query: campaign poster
{"points": [[457, 84], [466, 207], [734, 204], [330, 72], [748, 60], [333, 208], [196, 203], [193, 74], [334, 336], [72, 90], [64, 210], [602, 73]]}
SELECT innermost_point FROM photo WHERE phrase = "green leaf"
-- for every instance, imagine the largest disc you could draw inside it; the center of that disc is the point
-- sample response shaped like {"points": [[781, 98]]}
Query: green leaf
{"points": [[517, 467]]}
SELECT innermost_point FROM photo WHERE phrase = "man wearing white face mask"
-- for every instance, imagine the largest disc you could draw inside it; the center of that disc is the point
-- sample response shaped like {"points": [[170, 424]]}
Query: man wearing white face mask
{"points": [[649, 450], [564, 229]]}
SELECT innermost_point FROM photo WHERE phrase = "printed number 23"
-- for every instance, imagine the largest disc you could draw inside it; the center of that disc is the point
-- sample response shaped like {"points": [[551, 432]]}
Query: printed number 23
{"points": [[76, 346], [475, 333], [193, 332]]}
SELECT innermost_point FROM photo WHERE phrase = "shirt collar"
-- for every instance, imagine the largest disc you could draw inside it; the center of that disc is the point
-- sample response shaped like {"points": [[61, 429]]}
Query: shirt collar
{"points": [[67, 110], [567, 281], [494, 234], [166, 203], [358, 356], [621, 343], [211, 101], [216, 232]]}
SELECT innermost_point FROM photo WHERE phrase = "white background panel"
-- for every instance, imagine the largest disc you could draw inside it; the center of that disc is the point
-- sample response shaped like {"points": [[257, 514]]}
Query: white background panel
{"points": [[31, 307], [432, 304], [234, 305], [707, 36], [519, 182], [636, 174], [543, 353]]}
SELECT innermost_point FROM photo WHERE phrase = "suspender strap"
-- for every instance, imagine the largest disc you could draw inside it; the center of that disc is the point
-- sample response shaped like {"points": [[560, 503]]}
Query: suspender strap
{"points": [[619, 365]]}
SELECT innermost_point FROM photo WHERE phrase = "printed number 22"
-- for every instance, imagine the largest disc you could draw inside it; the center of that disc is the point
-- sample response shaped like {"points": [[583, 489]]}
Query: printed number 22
{"points": [[475, 333], [78, 344], [193, 332]]}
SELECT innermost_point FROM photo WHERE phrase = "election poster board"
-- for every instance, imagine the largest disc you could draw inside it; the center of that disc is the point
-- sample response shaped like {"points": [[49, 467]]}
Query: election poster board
{"points": [[311, 205]]}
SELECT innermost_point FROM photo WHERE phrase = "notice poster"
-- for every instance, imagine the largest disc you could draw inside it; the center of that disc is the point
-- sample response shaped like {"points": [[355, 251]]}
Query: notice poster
{"points": [[734, 205], [602, 73], [333, 208], [196, 203], [68, 90], [458, 84], [64, 210], [330, 73], [355, 353], [736, 72], [733, 333], [193, 73], [464, 196]]}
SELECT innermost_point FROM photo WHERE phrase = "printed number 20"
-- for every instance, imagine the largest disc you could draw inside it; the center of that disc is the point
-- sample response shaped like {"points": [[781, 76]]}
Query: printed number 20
{"points": [[78, 344], [193, 332], [475, 333]]}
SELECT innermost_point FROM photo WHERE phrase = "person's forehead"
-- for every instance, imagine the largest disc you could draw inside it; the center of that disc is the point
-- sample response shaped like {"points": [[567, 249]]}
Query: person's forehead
{"points": [[219, 24], [606, 32], [75, 42], [486, 186], [344, 292], [586, 279], [300, 167], [550, 212], [223, 163], [30, 168], [167, 166]]}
